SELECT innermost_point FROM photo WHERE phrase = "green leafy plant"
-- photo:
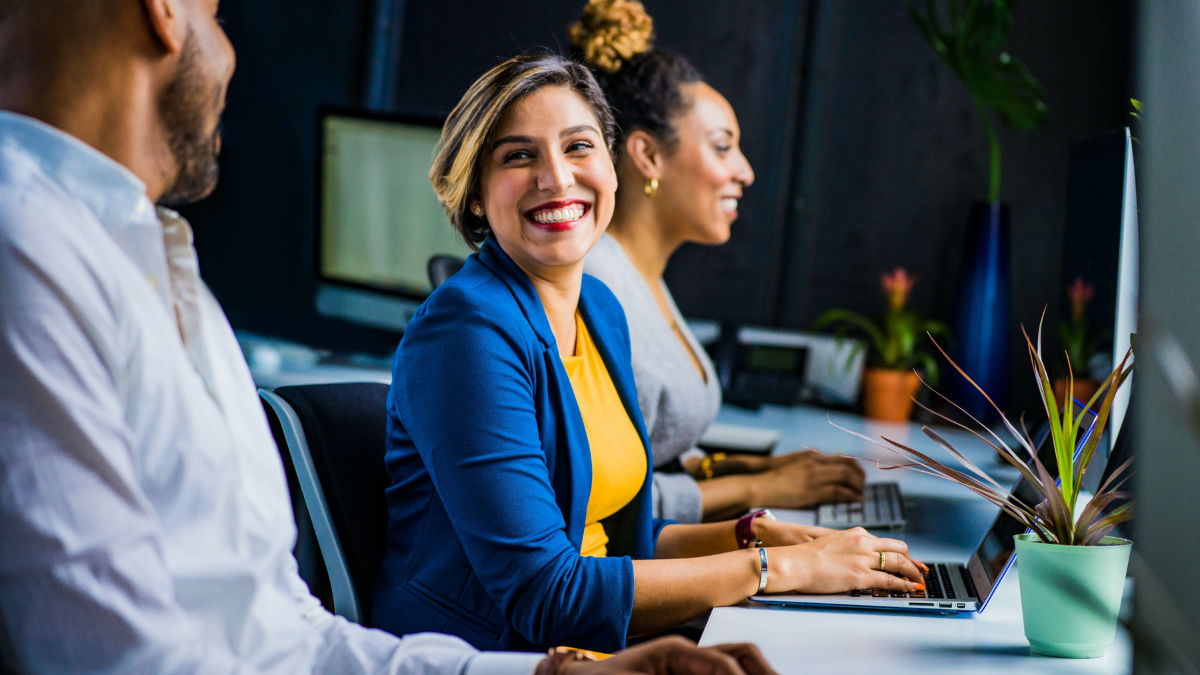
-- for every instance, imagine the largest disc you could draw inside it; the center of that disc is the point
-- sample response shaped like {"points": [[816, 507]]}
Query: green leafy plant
{"points": [[1057, 518], [893, 340], [972, 46]]}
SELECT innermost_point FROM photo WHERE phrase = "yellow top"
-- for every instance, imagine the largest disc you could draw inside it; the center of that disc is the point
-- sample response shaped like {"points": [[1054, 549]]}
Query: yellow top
{"points": [[618, 456]]}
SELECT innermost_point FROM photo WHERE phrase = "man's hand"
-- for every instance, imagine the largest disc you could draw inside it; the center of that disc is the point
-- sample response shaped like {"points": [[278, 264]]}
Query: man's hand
{"points": [[674, 656]]}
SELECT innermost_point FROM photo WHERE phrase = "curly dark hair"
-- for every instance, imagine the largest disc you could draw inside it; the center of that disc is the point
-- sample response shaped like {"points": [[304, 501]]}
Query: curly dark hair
{"points": [[643, 83]]}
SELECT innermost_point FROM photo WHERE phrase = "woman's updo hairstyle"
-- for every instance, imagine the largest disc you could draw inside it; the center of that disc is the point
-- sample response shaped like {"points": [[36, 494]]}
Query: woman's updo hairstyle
{"points": [[470, 129], [643, 84]]}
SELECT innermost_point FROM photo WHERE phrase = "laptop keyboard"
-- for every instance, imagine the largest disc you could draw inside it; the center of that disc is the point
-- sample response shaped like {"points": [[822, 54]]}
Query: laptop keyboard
{"points": [[937, 587], [881, 507]]}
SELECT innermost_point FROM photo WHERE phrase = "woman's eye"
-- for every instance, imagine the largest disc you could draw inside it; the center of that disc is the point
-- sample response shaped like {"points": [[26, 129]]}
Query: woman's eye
{"points": [[723, 149], [579, 145], [517, 155]]}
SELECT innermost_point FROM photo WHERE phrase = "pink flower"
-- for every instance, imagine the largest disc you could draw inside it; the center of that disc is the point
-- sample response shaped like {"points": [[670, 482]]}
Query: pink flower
{"points": [[1080, 293], [897, 285]]}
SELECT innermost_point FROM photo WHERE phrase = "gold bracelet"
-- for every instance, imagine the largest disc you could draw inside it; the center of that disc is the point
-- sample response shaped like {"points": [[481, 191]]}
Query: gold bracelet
{"points": [[707, 463]]}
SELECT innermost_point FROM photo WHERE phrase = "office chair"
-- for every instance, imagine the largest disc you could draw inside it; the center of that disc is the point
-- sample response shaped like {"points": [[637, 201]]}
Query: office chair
{"points": [[335, 439], [442, 267]]}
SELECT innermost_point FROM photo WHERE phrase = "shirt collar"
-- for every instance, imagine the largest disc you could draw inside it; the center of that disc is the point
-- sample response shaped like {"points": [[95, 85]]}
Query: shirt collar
{"points": [[106, 188]]}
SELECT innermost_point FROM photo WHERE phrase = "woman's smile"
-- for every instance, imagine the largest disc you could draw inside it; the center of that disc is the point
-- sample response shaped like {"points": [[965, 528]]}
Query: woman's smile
{"points": [[558, 216]]}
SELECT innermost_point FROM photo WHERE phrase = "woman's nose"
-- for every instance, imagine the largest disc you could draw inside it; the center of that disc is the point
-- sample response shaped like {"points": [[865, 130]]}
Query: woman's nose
{"points": [[744, 173], [556, 175]]}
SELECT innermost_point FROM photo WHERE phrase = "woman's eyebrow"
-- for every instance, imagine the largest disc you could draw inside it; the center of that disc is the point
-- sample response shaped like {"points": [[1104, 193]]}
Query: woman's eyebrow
{"points": [[578, 128], [512, 139], [722, 130]]}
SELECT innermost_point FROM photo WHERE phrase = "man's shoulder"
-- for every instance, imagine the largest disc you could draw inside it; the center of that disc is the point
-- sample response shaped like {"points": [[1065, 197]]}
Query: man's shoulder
{"points": [[49, 241]]}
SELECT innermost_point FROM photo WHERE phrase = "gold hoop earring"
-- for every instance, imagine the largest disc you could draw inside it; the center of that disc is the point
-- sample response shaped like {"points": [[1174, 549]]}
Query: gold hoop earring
{"points": [[651, 188]]}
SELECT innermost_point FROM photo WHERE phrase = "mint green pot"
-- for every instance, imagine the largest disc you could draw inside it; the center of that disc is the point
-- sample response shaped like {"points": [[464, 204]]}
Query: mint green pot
{"points": [[1070, 595]]}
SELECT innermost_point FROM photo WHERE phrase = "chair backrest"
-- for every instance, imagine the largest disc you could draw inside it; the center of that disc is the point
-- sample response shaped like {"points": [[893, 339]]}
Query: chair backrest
{"points": [[442, 267], [338, 456]]}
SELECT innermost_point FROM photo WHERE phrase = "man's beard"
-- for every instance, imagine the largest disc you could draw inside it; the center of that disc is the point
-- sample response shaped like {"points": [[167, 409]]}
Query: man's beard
{"points": [[184, 107]]}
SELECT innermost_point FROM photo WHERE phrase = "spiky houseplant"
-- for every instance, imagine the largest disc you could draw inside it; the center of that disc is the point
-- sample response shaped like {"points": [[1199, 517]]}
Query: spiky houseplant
{"points": [[1056, 519]]}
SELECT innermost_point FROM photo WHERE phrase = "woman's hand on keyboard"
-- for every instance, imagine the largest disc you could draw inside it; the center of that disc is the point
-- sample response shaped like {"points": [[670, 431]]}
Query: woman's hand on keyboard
{"points": [[804, 479], [841, 562]]}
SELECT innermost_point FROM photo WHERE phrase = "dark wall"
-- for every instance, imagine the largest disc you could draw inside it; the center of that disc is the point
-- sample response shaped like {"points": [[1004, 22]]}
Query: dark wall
{"points": [[898, 153], [255, 233], [867, 150]]}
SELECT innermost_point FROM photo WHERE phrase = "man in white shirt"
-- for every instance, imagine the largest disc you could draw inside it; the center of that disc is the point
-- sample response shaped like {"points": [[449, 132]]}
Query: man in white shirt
{"points": [[145, 525]]}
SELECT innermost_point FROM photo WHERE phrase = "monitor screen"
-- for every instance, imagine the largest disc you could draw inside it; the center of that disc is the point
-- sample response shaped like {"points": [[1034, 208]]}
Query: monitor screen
{"points": [[380, 220]]}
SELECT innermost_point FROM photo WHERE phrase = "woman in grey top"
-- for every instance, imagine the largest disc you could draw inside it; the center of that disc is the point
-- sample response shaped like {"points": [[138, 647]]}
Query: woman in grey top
{"points": [[681, 174]]}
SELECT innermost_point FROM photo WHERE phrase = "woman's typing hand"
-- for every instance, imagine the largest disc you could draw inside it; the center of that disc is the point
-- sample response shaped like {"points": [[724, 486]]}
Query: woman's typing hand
{"points": [[805, 479], [843, 561]]}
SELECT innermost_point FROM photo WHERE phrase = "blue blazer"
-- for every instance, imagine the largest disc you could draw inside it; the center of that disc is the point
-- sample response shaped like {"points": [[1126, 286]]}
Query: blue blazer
{"points": [[491, 472]]}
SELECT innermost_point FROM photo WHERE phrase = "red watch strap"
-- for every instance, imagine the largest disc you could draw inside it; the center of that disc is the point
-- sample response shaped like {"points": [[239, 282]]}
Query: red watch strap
{"points": [[745, 529]]}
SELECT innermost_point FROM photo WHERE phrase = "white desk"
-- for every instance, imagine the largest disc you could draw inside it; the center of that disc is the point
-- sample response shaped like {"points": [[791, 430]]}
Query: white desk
{"points": [[945, 522]]}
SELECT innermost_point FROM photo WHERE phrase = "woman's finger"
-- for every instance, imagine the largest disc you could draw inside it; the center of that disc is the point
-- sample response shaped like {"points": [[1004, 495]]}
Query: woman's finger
{"points": [[890, 545], [748, 657], [888, 582], [896, 563]]}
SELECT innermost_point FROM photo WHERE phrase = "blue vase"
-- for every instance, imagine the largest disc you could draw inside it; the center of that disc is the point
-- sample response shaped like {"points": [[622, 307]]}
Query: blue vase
{"points": [[983, 323]]}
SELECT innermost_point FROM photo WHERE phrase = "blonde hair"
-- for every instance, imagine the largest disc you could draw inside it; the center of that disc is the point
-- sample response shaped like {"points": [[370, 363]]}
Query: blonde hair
{"points": [[471, 125], [611, 32]]}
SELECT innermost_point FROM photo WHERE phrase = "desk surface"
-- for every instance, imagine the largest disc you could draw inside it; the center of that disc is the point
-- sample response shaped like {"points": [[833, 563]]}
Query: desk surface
{"points": [[945, 524]]}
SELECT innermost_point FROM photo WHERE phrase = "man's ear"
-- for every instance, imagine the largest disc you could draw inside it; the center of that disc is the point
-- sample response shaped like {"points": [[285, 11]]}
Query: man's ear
{"points": [[166, 23], [646, 153]]}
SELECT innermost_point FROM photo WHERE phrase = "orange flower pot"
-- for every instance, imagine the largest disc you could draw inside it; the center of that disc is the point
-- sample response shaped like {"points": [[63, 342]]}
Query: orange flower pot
{"points": [[888, 394], [1085, 388]]}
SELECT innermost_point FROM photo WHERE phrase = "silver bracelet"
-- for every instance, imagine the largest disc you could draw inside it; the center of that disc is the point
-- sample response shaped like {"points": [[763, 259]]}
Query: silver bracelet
{"points": [[762, 579]]}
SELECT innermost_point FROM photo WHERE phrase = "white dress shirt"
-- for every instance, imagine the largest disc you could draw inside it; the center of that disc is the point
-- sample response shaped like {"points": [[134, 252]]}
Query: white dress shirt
{"points": [[145, 523]]}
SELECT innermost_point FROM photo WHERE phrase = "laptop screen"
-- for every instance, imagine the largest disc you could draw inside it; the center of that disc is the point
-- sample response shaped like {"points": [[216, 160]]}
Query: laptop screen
{"points": [[994, 553]]}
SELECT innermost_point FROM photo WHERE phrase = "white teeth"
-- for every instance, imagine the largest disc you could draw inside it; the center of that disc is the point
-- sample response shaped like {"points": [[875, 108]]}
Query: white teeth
{"points": [[565, 214], [729, 203]]}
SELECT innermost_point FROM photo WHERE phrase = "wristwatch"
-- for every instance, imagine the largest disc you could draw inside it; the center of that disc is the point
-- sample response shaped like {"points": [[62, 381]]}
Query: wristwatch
{"points": [[745, 528]]}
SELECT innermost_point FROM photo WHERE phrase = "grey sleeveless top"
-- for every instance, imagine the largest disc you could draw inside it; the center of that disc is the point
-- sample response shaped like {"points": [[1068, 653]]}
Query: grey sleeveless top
{"points": [[677, 404]]}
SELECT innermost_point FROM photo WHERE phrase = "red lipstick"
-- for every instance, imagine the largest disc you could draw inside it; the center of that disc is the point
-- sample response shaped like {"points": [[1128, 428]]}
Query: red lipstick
{"points": [[546, 210]]}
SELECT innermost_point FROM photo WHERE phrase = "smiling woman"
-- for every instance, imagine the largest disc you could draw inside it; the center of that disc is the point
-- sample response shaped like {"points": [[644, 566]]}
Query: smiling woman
{"points": [[519, 510]]}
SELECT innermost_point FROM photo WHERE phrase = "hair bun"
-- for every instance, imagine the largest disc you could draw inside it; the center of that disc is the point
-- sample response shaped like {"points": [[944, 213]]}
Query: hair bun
{"points": [[611, 32]]}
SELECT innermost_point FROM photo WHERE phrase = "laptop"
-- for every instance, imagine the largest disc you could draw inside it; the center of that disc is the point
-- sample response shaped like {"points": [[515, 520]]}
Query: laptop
{"points": [[950, 587]]}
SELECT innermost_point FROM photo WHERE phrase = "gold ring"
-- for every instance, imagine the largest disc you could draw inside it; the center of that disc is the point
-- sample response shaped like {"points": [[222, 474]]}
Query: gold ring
{"points": [[882, 561]]}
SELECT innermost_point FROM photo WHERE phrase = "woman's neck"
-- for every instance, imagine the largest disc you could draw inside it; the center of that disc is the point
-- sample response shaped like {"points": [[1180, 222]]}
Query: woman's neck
{"points": [[646, 242], [558, 290]]}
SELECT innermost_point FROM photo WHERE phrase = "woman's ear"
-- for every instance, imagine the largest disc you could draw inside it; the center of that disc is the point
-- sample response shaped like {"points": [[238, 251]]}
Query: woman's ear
{"points": [[645, 151]]}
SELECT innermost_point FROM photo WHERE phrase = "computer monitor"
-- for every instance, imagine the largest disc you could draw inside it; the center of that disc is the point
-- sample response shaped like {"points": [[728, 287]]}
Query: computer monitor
{"points": [[378, 218], [1100, 248], [1166, 621]]}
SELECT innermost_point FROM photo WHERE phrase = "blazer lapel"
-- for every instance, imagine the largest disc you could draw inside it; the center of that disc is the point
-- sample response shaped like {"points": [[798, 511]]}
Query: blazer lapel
{"points": [[570, 467]]}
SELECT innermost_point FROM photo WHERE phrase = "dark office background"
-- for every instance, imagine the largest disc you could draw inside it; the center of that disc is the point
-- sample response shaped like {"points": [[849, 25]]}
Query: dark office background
{"points": [[868, 151]]}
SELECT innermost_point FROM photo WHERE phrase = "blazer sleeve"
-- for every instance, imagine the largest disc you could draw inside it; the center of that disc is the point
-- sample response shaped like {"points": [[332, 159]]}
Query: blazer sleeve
{"points": [[464, 391]]}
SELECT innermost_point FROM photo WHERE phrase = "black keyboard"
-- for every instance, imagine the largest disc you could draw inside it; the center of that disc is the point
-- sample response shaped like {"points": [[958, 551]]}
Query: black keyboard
{"points": [[937, 587]]}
